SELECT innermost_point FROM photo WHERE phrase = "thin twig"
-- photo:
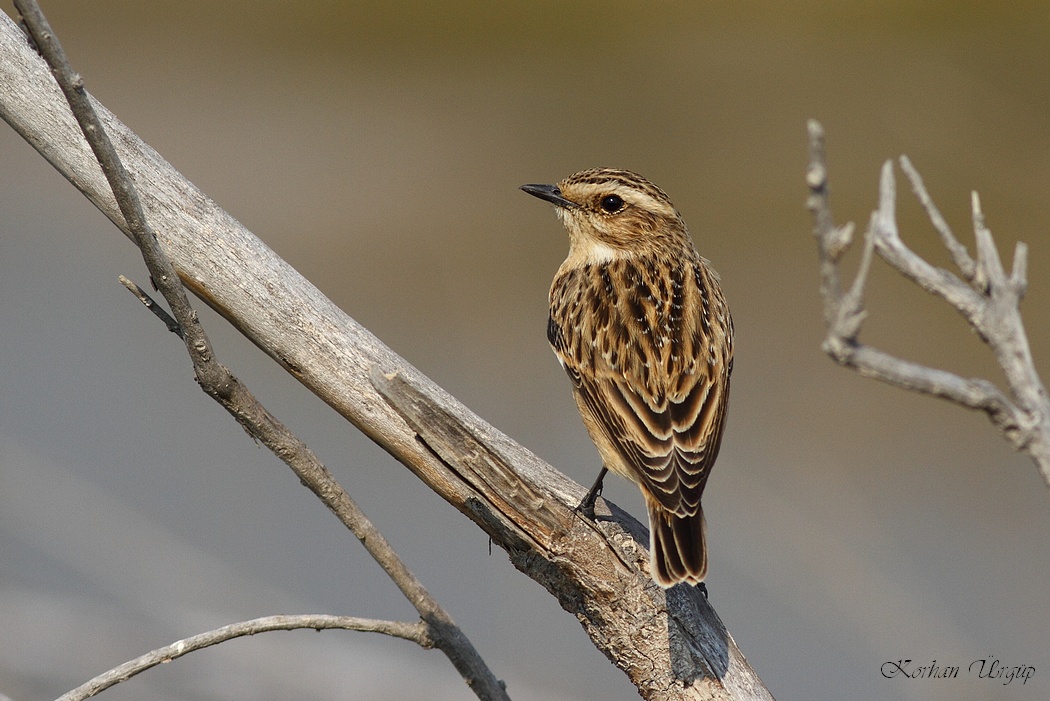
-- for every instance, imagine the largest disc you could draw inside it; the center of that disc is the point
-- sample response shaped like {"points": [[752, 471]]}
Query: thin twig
{"points": [[959, 254], [219, 383], [209, 372], [415, 632], [961, 296], [150, 304], [989, 300]]}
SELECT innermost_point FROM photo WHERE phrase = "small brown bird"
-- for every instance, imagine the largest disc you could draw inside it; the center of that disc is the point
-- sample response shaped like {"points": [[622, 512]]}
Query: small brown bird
{"points": [[639, 323]]}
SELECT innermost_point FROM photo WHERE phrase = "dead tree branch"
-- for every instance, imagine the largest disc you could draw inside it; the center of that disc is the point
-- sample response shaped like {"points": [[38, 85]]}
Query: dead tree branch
{"points": [[220, 384], [671, 644], [986, 297]]}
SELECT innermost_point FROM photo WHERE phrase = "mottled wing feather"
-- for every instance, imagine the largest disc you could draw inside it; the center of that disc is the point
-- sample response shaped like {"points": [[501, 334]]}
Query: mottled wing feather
{"points": [[660, 405], [673, 464]]}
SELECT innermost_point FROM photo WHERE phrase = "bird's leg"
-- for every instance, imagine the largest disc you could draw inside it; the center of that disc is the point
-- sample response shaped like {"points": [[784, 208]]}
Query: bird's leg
{"points": [[586, 506]]}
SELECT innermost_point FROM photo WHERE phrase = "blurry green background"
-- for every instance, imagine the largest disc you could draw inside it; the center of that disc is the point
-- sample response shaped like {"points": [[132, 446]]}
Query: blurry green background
{"points": [[378, 147]]}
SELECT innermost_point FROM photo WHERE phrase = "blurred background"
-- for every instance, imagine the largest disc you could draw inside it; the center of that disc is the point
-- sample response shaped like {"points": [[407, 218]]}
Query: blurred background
{"points": [[378, 147]]}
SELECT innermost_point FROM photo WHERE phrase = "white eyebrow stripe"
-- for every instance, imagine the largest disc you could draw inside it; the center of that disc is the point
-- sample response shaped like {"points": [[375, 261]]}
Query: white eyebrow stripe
{"points": [[632, 195]]}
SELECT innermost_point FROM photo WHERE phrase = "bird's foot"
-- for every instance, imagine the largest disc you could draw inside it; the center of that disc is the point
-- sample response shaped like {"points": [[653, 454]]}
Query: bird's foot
{"points": [[586, 507]]}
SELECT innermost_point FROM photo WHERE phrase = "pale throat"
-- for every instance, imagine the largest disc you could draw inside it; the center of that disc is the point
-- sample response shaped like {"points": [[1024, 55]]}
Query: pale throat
{"points": [[585, 249], [588, 251]]}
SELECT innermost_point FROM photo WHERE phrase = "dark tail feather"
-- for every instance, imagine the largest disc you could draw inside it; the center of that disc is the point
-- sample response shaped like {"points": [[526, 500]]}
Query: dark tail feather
{"points": [[677, 548]]}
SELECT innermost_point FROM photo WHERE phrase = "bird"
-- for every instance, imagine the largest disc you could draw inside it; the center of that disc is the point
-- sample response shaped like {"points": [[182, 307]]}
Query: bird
{"points": [[640, 325]]}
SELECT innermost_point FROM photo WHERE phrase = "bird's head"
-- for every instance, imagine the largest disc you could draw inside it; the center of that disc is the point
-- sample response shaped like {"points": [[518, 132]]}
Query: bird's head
{"points": [[609, 213]]}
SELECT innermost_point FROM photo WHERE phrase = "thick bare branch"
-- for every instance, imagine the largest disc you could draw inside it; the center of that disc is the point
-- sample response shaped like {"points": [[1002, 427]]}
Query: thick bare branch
{"points": [[671, 644], [989, 300], [416, 632], [220, 384]]}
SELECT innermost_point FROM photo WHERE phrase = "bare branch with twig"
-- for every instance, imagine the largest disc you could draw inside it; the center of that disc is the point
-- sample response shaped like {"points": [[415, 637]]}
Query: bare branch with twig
{"points": [[220, 384], [986, 296], [671, 643]]}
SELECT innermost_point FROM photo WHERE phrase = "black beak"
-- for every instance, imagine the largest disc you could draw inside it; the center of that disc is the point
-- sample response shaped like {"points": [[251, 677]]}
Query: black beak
{"points": [[551, 193]]}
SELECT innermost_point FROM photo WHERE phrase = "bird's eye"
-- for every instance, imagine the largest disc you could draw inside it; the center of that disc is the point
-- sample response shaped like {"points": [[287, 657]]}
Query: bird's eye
{"points": [[612, 203]]}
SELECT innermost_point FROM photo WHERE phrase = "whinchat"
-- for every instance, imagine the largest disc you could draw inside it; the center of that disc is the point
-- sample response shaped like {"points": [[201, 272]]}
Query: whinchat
{"points": [[638, 321]]}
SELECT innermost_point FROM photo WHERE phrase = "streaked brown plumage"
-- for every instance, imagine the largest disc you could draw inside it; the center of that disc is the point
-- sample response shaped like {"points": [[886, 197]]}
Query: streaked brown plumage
{"points": [[639, 323]]}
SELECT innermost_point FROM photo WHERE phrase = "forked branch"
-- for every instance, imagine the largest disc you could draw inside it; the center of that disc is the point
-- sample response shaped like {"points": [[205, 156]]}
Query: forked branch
{"points": [[985, 295]]}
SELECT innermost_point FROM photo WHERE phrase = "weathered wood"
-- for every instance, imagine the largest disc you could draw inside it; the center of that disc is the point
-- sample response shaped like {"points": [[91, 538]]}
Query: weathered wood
{"points": [[671, 644]]}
